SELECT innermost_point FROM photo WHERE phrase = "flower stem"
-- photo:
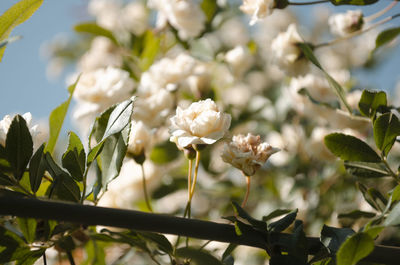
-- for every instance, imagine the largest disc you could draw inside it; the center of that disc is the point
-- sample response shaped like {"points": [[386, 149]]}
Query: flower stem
{"points": [[247, 191], [308, 3], [196, 170], [70, 258], [84, 181], [44, 258], [146, 196], [190, 177], [380, 13]]}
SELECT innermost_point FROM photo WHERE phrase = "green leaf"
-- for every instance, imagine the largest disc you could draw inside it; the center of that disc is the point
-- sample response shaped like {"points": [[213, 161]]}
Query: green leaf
{"points": [[386, 129], [37, 167], [5, 180], [356, 214], [119, 118], [350, 148], [96, 30], [30, 257], [354, 249], [151, 48], [258, 225], [275, 213], [74, 159], [353, 2], [159, 240], [371, 102], [333, 237], [112, 155], [28, 228], [393, 217], [374, 231], [283, 223], [94, 153], [332, 105], [164, 153], [14, 16], [366, 170], [63, 186], [209, 8], [308, 53], [197, 257], [56, 119], [228, 251], [386, 36], [395, 194], [19, 146], [12, 246]]}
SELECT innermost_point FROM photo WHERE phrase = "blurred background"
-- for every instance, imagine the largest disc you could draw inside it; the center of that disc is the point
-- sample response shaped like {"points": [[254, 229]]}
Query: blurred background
{"points": [[28, 85]]}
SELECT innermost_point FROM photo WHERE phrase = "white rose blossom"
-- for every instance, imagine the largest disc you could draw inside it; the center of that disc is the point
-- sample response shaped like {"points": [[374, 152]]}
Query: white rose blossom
{"points": [[257, 9], [139, 138], [201, 123], [287, 53], [346, 23], [247, 153], [185, 16], [37, 131], [239, 59]]}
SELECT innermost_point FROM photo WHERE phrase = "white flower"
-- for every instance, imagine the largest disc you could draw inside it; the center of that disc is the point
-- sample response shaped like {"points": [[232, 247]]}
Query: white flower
{"points": [[37, 131], [201, 123], [239, 59], [258, 9], [247, 153], [184, 15], [139, 138], [134, 18], [287, 53], [107, 13], [152, 107], [104, 87], [346, 23], [102, 53]]}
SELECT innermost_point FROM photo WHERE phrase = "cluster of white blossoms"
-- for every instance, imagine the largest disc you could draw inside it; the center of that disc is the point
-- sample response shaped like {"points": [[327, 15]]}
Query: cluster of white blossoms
{"points": [[201, 123], [247, 153], [344, 24], [257, 9], [38, 132], [139, 139], [287, 53], [185, 16]]}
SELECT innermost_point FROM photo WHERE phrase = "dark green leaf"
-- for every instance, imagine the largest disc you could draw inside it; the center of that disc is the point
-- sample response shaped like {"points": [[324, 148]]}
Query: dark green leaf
{"points": [[96, 30], [283, 223], [386, 129], [353, 2], [197, 257], [37, 167], [11, 246], [19, 146], [164, 152], [5, 180], [366, 170], [94, 153], [275, 213], [333, 237], [74, 159], [119, 118], [355, 248], [395, 194], [169, 188], [159, 240], [63, 186], [386, 36], [56, 119], [228, 251], [28, 228], [350, 148], [371, 102], [14, 16], [112, 155], [66, 243], [356, 214], [258, 225], [30, 257]]}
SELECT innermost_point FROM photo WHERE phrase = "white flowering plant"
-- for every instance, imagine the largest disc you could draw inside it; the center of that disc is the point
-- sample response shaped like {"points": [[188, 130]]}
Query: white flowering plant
{"points": [[182, 109]]}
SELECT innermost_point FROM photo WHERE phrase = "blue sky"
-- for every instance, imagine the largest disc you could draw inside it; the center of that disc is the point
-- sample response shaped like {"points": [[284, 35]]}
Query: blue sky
{"points": [[23, 72]]}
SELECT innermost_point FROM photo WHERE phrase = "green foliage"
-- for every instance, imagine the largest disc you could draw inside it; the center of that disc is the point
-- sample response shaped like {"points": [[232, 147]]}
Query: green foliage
{"points": [[19, 146], [164, 153], [96, 30], [385, 37], [333, 237], [394, 216], [283, 223], [353, 2], [151, 47], [366, 170], [56, 119], [371, 102], [355, 248], [37, 167], [350, 148], [28, 228], [386, 129], [74, 159], [14, 16], [197, 257]]}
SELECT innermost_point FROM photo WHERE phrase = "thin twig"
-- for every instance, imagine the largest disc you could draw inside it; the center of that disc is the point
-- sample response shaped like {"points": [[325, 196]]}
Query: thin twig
{"points": [[146, 196], [247, 191], [308, 3], [380, 13]]}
